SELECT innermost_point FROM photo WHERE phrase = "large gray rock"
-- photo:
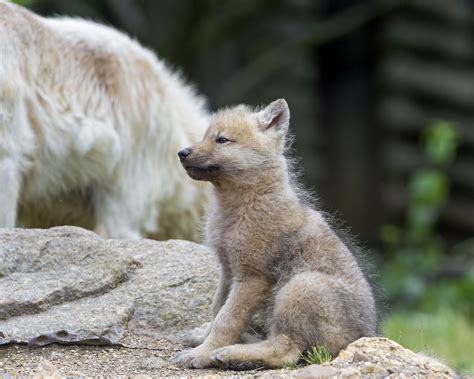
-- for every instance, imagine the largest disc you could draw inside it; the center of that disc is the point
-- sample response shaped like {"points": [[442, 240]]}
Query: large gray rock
{"points": [[68, 285]]}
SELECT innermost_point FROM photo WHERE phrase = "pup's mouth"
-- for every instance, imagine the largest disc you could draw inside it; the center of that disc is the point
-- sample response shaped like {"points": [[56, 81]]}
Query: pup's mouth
{"points": [[202, 172]]}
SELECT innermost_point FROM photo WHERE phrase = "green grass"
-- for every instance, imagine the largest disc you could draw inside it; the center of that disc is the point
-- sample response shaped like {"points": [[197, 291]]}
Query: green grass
{"points": [[445, 335], [316, 356]]}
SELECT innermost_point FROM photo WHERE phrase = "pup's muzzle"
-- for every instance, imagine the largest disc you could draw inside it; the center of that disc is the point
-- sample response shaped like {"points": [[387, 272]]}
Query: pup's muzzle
{"points": [[184, 153]]}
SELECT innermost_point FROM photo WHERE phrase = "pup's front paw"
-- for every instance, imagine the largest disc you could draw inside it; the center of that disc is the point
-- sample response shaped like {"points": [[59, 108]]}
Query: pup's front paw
{"points": [[193, 358]]}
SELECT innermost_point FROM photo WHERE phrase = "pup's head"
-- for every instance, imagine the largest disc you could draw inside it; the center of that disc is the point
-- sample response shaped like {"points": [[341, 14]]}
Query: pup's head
{"points": [[239, 144]]}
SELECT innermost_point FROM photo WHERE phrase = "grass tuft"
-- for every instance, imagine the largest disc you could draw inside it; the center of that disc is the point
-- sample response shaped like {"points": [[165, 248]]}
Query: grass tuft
{"points": [[316, 356]]}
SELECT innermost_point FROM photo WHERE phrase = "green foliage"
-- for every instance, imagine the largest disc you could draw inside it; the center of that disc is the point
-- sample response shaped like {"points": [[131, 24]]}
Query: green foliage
{"points": [[316, 356], [414, 255], [440, 142], [444, 334]]}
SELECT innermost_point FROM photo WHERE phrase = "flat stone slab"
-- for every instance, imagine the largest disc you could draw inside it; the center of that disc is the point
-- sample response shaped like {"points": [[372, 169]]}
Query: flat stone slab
{"points": [[68, 285]]}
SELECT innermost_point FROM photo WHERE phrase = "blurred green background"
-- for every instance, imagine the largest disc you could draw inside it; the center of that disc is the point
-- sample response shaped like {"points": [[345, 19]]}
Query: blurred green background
{"points": [[382, 100]]}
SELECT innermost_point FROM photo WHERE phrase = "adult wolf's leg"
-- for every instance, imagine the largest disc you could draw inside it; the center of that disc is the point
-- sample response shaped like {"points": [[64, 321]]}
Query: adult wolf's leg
{"points": [[9, 191]]}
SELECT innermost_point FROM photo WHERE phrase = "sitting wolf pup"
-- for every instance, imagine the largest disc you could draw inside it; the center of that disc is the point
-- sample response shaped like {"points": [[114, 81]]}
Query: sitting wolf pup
{"points": [[273, 249]]}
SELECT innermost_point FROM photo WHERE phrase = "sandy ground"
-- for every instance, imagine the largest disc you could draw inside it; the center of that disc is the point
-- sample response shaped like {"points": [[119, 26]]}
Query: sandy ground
{"points": [[139, 356]]}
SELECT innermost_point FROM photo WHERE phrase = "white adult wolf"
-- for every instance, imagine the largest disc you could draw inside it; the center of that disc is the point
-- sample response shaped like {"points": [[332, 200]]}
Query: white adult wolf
{"points": [[90, 122]]}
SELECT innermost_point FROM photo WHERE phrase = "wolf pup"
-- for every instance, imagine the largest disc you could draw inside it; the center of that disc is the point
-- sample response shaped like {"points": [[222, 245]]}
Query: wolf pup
{"points": [[274, 250]]}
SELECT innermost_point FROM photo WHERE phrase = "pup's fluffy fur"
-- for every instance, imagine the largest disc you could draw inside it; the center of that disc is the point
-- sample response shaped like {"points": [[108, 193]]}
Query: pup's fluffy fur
{"points": [[275, 251], [89, 125]]}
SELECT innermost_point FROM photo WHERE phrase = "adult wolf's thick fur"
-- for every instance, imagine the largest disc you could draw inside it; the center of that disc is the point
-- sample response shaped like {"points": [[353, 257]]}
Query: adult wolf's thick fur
{"points": [[89, 125], [275, 251]]}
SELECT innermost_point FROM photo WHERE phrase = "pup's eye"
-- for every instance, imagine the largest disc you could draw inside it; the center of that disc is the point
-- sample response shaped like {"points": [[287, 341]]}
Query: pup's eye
{"points": [[221, 140]]}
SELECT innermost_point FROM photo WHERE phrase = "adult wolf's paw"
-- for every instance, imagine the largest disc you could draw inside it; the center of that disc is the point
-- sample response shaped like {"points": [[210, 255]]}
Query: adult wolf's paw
{"points": [[193, 358]]}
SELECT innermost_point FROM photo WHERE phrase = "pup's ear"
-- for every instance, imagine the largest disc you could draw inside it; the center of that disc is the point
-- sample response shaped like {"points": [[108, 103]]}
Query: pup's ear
{"points": [[275, 117]]}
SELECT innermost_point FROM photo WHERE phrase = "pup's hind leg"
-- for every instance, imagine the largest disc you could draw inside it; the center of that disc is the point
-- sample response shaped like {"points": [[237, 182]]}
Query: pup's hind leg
{"points": [[199, 334], [273, 352], [316, 309], [312, 309]]}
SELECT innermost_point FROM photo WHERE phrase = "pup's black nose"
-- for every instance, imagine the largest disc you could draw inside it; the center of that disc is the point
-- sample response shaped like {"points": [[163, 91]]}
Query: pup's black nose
{"points": [[184, 153]]}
